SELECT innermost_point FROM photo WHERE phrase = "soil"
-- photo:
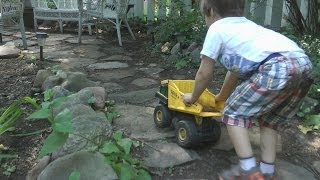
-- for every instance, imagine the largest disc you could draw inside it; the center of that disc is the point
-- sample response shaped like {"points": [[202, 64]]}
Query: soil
{"points": [[16, 81]]}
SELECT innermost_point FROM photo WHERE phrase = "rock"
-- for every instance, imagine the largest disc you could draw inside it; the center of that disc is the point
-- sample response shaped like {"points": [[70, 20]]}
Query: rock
{"points": [[176, 48], [179, 77], [192, 46], [59, 91], [152, 71], [90, 165], [51, 82], [316, 165], [165, 48], [74, 64], [99, 94], [168, 155], [91, 41], [309, 103], [173, 58], [118, 58], [144, 82], [116, 74], [112, 87], [58, 54], [38, 168], [41, 76], [140, 123], [288, 171], [76, 81], [153, 65], [81, 97], [93, 128], [224, 142], [134, 97], [108, 65], [7, 52], [254, 134], [80, 110], [195, 55]]}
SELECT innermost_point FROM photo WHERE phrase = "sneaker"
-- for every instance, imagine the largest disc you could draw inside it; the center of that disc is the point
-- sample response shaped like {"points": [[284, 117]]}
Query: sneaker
{"points": [[237, 173]]}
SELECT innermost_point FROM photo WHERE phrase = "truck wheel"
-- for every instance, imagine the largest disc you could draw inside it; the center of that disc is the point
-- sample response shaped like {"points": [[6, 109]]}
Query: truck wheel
{"points": [[210, 130], [162, 116], [186, 133]]}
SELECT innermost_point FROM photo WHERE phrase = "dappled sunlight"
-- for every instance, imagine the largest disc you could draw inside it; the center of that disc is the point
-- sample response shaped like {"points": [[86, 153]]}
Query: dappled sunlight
{"points": [[315, 143]]}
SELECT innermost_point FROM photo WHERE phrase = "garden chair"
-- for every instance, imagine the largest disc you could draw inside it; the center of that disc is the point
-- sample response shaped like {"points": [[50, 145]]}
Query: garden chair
{"points": [[60, 10], [11, 13], [114, 11]]}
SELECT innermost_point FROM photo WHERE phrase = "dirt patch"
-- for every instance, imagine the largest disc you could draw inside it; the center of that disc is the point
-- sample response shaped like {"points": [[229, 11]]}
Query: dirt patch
{"points": [[16, 81]]}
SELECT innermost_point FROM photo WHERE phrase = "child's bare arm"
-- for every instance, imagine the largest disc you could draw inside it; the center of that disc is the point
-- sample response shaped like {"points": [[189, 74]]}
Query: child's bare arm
{"points": [[203, 78], [230, 82]]}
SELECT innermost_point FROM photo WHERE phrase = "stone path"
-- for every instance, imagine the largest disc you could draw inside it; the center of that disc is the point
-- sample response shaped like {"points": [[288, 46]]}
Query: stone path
{"points": [[132, 84]]}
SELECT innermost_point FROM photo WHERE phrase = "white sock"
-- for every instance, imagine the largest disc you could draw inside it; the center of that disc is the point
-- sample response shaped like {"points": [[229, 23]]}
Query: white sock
{"points": [[266, 168], [248, 163]]}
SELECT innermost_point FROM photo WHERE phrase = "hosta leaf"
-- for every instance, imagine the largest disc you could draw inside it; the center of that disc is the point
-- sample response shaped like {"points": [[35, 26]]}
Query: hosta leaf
{"points": [[109, 148], [126, 172], [48, 94], [53, 142], [143, 175], [313, 120], [75, 175], [45, 105], [59, 101], [117, 135], [62, 122], [40, 114], [126, 144]]}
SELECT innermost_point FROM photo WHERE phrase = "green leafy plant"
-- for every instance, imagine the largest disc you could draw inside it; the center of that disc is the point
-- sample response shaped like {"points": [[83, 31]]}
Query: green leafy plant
{"points": [[8, 169], [190, 24], [117, 153], [110, 111], [61, 124], [13, 112], [75, 175]]}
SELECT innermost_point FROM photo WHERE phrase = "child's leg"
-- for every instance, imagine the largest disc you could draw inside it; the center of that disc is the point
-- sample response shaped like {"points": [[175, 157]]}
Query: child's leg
{"points": [[268, 142], [240, 140]]}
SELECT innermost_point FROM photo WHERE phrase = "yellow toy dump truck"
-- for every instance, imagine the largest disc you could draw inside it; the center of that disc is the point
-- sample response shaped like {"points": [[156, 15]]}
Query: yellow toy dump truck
{"points": [[193, 124]]}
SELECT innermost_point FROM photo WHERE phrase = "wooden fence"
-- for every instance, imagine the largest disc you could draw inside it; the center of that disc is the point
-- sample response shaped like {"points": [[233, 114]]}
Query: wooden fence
{"points": [[267, 12]]}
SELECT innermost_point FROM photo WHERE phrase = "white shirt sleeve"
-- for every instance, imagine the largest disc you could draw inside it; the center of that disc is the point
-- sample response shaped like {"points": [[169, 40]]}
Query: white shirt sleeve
{"points": [[212, 45]]}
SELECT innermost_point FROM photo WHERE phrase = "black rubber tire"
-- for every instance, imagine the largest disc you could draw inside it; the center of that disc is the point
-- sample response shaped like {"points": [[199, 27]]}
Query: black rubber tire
{"points": [[213, 132], [186, 133], [162, 116]]}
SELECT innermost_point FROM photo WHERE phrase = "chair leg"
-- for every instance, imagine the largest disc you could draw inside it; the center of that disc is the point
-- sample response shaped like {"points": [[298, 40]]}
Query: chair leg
{"points": [[129, 29], [1, 30], [79, 29], [61, 26], [35, 24], [118, 26], [90, 29], [23, 33]]}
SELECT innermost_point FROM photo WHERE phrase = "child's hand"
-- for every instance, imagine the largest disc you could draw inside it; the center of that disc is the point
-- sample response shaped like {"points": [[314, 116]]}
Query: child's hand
{"points": [[218, 97], [187, 99]]}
